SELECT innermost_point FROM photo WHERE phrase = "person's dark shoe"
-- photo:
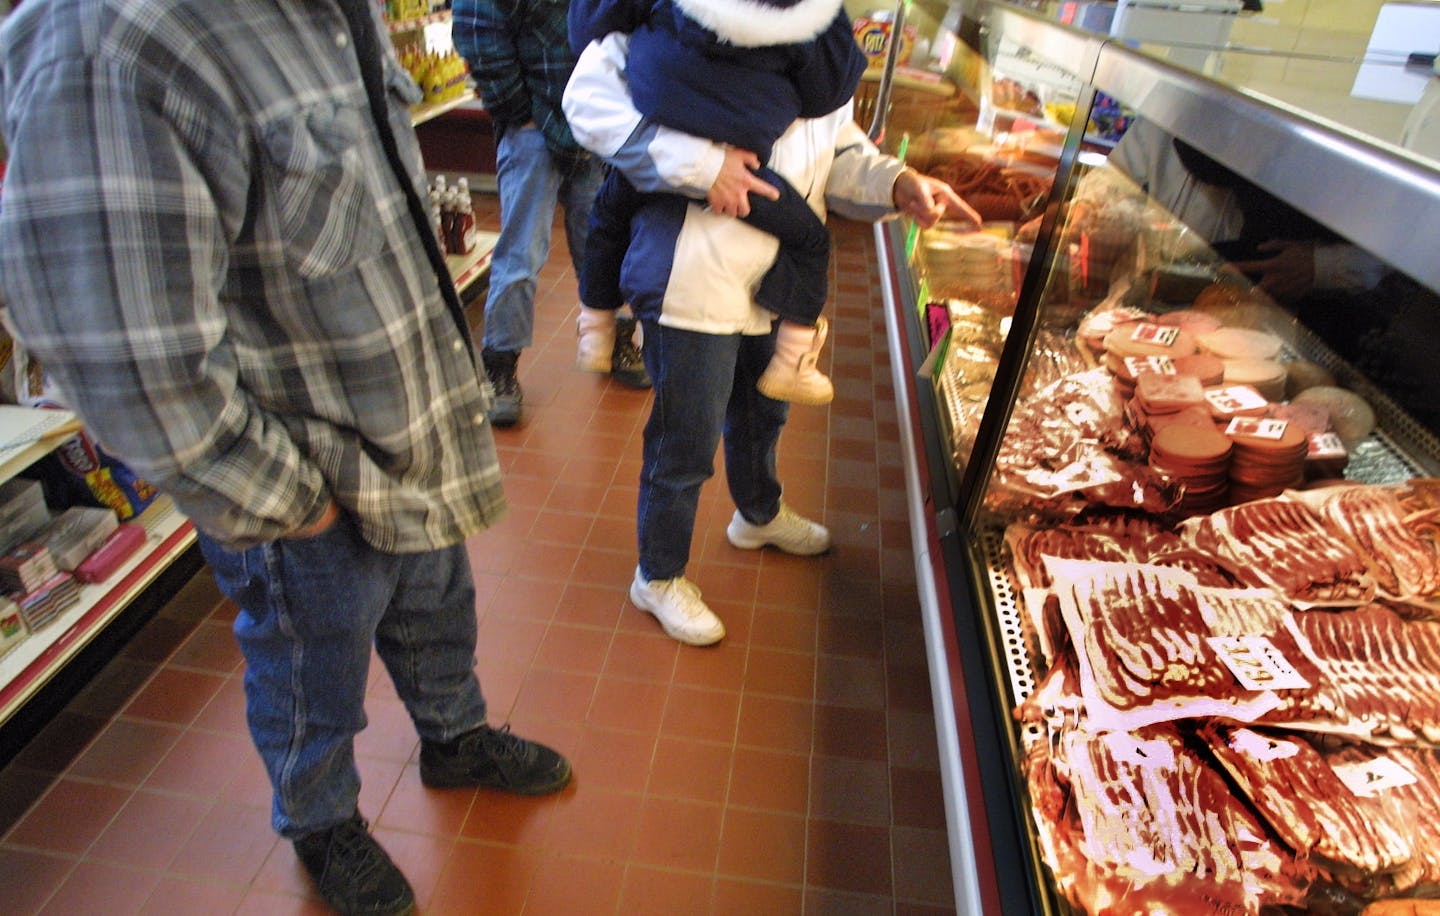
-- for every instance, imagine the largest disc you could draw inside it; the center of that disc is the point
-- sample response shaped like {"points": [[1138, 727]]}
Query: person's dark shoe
{"points": [[626, 365], [493, 758], [353, 873], [500, 369]]}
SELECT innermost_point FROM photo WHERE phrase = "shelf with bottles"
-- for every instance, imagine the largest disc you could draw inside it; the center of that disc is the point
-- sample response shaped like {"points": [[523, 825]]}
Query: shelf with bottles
{"points": [[467, 248], [428, 55]]}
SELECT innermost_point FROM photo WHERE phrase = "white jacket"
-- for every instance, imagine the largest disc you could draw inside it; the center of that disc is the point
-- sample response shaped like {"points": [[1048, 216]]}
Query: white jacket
{"points": [[691, 268]]}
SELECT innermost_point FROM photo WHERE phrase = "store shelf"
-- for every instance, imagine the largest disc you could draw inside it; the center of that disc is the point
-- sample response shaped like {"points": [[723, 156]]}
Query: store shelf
{"points": [[420, 22], [23, 441], [425, 113], [467, 268], [31, 664]]}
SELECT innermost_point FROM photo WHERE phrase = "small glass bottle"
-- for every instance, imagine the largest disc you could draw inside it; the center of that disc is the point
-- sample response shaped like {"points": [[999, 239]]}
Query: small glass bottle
{"points": [[464, 234]]}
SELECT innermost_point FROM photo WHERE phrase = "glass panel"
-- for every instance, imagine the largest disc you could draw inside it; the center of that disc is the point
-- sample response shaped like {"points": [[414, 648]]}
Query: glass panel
{"points": [[993, 123], [1171, 267], [1201, 326], [1367, 65]]}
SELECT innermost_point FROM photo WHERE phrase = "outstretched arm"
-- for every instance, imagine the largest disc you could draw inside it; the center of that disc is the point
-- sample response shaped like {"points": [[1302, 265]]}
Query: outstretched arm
{"points": [[927, 200]]}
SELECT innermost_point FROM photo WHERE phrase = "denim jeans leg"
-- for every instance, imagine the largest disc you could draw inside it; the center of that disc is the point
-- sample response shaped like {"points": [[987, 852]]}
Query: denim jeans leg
{"points": [[752, 431], [577, 198], [692, 374], [310, 611], [606, 240], [529, 187], [426, 640]]}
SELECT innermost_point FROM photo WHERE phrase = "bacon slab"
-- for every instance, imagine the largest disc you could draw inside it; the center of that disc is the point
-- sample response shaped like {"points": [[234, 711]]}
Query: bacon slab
{"points": [[1284, 544], [1379, 676], [1402, 563], [1150, 828], [1414, 804], [1305, 802]]}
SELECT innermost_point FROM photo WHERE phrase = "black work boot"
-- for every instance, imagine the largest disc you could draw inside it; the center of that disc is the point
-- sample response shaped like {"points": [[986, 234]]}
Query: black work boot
{"points": [[353, 873], [626, 365], [493, 758], [500, 369]]}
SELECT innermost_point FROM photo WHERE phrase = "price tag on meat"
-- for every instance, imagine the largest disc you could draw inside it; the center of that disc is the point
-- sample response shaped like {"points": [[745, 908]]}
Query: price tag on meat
{"points": [[1160, 334], [1325, 445], [1371, 777], [1234, 399], [1161, 364], [1256, 428], [1256, 663]]}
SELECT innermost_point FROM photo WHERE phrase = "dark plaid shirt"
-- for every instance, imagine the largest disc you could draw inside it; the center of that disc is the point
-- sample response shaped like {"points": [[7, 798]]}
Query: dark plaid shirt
{"points": [[519, 55]]}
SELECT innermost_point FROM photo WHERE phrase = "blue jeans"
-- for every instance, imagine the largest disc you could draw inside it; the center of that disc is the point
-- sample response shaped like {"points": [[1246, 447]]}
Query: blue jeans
{"points": [[530, 186], [310, 610], [704, 389]]}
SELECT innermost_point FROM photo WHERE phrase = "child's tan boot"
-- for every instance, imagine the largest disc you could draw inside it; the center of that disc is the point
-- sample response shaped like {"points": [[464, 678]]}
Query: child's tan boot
{"points": [[595, 329], [792, 374]]}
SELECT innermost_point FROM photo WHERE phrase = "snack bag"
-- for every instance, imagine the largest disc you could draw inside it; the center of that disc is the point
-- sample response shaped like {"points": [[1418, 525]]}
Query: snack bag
{"points": [[107, 481]]}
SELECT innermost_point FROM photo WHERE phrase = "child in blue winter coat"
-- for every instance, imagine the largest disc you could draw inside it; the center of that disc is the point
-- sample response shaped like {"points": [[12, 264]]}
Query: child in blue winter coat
{"points": [[739, 72]]}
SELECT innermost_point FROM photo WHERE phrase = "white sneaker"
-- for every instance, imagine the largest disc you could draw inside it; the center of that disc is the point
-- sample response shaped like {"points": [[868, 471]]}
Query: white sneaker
{"points": [[788, 530], [676, 604]]}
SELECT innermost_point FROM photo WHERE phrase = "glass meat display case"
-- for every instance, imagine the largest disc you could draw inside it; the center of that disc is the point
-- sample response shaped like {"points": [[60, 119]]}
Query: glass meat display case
{"points": [[1172, 467]]}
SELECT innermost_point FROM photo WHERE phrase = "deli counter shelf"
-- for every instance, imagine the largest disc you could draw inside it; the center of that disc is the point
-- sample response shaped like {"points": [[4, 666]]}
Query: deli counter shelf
{"points": [[1039, 346]]}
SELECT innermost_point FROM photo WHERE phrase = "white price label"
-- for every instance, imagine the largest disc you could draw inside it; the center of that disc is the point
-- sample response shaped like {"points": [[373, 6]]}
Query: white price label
{"points": [[1371, 777], [1161, 364], [1257, 428], [1325, 445], [1235, 398], [1256, 663], [1160, 334]]}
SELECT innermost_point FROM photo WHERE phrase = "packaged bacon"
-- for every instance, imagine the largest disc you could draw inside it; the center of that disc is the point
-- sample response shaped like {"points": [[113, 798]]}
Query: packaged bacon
{"points": [[1282, 543], [1154, 645], [1378, 680], [1116, 537], [1151, 828], [1404, 564], [1068, 449], [1311, 807], [1405, 782]]}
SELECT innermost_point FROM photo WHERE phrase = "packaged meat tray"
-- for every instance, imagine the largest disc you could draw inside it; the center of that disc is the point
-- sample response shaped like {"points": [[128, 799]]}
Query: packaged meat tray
{"points": [[1138, 822], [1152, 645]]}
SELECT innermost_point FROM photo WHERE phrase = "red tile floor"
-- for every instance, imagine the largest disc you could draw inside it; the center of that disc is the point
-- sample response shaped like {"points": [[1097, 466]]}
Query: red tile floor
{"points": [[791, 769]]}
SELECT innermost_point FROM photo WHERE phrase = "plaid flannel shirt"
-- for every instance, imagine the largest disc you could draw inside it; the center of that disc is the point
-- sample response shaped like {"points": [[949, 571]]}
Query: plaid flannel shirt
{"points": [[520, 58], [204, 240]]}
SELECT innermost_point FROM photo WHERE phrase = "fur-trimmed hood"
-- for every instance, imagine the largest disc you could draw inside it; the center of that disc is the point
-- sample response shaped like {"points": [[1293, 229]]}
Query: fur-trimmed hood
{"points": [[761, 23]]}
